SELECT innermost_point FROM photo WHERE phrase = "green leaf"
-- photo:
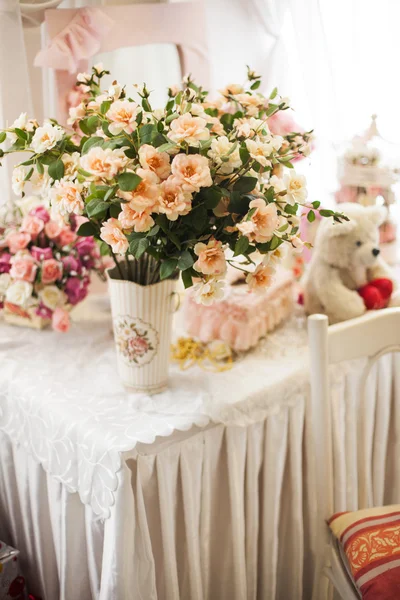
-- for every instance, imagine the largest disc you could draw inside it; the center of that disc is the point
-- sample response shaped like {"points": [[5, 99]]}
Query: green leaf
{"points": [[311, 216], [96, 208], [244, 155], [255, 85], [326, 213], [115, 209], [166, 147], [105, 129], [147, 133], [92, 143], [199, 218], [185, 261], [83, 126], [287, 163], [146, 105], [291, 209], [28, 175], [3, 137], [168, 267], [110, 193], [239, 204], [87, 229], [128, 181], [273, 93], [104, 107], [174, 238], [316, 204], [227, 121], [138, 246], [274, 243], [241, 246], [269, 194], [21, 134], [212, 196], [40, 168], [153, 231], [187, 278], [56, 169], [245, 184], [171, 118], [92, 123]]}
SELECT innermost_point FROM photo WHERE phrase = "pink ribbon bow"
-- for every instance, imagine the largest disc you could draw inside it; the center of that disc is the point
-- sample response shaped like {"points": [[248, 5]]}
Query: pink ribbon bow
{"points": [[79, 41]]}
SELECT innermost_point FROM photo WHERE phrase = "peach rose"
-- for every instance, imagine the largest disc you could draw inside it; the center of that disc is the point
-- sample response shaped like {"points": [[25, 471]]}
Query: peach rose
{"points": [[193, 170], [32, 225], [51, 270], [262, 223], [211, 258], [189, 129], [52, 229], [66, 198], [24, 269], [173, 200], [132, 219], [103, 164], [122, 115], [60, 320], [155, 161], [261, 278], [111, 233], [17, 241], [67, 237], [252, 103], [144, 197]]}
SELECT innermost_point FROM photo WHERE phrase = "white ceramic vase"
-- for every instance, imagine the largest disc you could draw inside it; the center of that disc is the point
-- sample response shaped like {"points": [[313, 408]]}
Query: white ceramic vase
{"points": [[142, 322]]}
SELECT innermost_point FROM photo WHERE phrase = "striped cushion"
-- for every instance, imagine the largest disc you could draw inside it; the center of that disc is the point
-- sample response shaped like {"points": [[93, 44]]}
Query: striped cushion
{"points": [[370, 540]]}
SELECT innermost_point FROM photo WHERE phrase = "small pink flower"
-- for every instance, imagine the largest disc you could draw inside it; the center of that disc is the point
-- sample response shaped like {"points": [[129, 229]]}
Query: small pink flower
{"points": [[40, 212], [24, 269], [32, 225], [122, 115], [5, 264], [158, 162], [263, 222], [189, 129], [211, 258], [111, 233], [60, 320], [18, 241], [144, 197], [173, 200], [52, 229], [40, 254], [132, 219], [67, 237], [103, 164], [261, 278], [193, 170], [138, 345], [51, 270]]}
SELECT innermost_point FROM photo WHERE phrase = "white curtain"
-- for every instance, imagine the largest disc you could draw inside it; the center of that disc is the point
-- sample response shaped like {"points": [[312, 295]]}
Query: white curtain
{"points": [[15, 96]]}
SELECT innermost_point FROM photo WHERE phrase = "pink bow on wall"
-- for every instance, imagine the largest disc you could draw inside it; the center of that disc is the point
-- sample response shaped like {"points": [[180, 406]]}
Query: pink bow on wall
{"points": [[77, 42]]}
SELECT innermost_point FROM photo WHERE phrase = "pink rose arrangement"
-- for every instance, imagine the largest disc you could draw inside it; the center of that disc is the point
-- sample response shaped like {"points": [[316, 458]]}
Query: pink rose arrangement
{"points": [[188, 188], [45, 267]]}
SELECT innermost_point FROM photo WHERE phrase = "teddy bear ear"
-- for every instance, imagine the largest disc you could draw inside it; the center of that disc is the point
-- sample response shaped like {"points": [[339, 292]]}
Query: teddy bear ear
{"points": [[377, 214]]}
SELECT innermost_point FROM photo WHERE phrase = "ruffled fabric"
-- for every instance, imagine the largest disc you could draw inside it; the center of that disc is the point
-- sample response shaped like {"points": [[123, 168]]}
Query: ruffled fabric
{"points": [[77, 42]]}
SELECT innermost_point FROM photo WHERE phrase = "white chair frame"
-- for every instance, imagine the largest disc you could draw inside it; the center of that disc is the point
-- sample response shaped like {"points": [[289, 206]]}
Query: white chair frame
{"points": [[370, 336]]}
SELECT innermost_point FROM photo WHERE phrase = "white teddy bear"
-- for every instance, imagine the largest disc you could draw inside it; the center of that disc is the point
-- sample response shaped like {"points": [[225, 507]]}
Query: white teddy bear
{"points": [[346, 257]]}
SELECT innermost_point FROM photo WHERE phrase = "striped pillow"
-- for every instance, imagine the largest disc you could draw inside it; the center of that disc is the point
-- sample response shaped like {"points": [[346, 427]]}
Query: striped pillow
{"points": [[370, 540]]}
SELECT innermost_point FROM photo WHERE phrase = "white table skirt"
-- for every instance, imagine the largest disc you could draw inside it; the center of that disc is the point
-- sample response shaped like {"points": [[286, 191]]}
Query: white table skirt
{"points": [[223, 512]]}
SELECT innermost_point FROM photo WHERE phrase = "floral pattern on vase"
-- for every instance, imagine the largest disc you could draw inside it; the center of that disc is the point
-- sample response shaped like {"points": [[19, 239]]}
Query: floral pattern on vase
{"points": [[136, 341]]}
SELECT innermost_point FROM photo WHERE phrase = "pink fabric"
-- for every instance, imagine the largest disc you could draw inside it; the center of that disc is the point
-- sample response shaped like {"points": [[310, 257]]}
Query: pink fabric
{"points": [[78, 34], [79, 41]]}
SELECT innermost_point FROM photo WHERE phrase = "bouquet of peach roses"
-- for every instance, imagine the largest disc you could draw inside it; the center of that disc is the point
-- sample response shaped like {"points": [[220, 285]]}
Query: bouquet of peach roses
{"points": [[187, 188]]}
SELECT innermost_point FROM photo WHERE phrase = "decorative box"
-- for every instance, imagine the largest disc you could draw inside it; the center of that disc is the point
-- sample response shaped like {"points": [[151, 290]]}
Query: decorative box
{"points": [[12, 583], [243, 317], [15, 315]]}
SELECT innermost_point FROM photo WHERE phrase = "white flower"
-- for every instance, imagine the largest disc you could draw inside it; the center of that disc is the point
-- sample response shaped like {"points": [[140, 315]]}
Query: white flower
{"points": [[52, 296], [21, 122], [219, 152], [83, 77], [276, 257], [18, 180], [46, 137], [99, 68], [247, 127], [296, 187], [40, 183], [232, 89], [115, 90], [27, 203], [261, 150], [66, 198], [76, 113], [208, 292], [297, 244], [5, 281], [285, 101], [71, 164], [277, 183], [19, 293]]}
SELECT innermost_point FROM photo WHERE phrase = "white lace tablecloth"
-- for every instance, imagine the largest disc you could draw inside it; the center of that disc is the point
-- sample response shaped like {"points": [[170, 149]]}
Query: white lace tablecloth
{"points": [[61, 399]]}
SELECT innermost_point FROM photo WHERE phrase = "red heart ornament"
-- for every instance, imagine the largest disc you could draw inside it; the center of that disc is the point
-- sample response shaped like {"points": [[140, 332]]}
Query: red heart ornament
{"points": [[385, 286], [376, 293]]}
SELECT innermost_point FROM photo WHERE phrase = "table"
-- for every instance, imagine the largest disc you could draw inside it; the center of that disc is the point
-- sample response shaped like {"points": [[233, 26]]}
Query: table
{"points": [[203, 492]]}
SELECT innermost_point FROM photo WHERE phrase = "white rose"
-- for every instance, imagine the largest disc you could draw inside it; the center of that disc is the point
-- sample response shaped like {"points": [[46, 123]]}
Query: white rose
{"points": [[208, 292], [219, 152], [19, 292], [83, 77], [115, 90], [18, 180], [28, 203], [5, 281], [46, 137], [21, 122], [52, 296], [296, 188]]}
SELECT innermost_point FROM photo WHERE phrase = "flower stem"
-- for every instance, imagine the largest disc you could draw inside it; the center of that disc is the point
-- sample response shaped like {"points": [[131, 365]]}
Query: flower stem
{"points": [[117, 265]]}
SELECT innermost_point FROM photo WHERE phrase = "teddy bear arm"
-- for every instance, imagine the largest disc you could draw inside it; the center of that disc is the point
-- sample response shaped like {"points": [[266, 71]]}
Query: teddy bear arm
{"points": [[380, 270], [340, 303]]}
